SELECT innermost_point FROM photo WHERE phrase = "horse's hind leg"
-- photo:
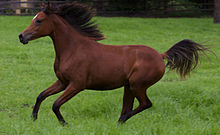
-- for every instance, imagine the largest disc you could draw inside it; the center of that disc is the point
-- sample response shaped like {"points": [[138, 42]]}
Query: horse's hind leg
{"points": [[128, 101], [55, 88], [69, 92], [144, 103]]}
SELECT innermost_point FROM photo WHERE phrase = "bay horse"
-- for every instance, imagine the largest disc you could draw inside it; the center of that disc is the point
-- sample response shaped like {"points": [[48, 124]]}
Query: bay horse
{"points": [[83, 63]]}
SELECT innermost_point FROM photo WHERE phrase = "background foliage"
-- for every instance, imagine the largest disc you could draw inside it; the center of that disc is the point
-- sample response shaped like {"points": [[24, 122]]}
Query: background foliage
{"points": [[144, 8]]}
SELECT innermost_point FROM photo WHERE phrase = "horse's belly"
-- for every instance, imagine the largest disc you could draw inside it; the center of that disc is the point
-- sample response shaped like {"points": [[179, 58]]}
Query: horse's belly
{"points": [[105, 83], [107, 76], [102, 87]]}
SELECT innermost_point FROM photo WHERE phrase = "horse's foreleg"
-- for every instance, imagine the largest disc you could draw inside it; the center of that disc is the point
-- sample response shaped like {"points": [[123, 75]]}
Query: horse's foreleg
{"points": [[128, 101], [144, 103], [66, 95], [55, 88]]}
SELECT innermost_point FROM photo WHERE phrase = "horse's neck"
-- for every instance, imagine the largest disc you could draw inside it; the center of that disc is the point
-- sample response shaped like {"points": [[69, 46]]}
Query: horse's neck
{"points": [[65, 39]]}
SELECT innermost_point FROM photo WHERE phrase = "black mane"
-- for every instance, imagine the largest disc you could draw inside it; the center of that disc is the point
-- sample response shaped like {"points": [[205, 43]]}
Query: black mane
{"points": [[78, 16]]}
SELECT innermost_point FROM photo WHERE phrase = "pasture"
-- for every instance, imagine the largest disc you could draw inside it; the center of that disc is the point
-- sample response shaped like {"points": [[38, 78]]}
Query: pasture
{"points": [[180, 107]]}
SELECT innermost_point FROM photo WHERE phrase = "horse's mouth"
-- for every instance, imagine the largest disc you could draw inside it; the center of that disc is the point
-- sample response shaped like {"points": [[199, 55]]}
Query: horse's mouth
{"points": [[23, 40]]}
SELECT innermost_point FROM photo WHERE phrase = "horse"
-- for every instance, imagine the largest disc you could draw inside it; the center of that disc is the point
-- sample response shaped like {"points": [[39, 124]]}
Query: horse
{"points": [[81, 62]]}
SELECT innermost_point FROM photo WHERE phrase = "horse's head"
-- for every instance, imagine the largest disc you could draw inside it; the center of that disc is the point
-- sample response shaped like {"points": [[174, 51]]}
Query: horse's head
{"points": [[40, 26], [74, 14]]}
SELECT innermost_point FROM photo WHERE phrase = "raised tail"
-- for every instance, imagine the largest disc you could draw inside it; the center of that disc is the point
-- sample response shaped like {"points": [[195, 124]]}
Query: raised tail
{"points": [[183, 56]]}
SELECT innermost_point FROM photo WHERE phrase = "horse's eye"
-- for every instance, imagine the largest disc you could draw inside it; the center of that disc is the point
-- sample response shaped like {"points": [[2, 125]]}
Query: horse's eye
{"points": [[38, 21]]}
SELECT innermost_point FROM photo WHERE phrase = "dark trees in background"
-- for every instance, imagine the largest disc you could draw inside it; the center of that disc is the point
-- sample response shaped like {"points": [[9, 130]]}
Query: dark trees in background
{"points": [[217, 11], [144, 8]]}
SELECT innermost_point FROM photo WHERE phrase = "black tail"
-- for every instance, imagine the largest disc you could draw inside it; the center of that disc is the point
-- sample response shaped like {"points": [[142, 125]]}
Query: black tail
{"points": [[183, 56]]}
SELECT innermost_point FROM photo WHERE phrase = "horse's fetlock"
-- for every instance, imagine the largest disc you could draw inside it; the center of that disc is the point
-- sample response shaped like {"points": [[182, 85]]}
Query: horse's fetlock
{"points": [[55, 107], [150, 105], [41, 97], [147, 105], [34, 116]]}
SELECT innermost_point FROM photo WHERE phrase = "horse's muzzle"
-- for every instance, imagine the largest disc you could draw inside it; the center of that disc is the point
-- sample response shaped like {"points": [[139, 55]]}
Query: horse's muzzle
{"points": [[22, 39]]}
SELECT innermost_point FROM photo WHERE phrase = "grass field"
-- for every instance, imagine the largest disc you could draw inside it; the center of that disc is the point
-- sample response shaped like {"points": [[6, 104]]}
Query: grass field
{"points": [[180, 107]]}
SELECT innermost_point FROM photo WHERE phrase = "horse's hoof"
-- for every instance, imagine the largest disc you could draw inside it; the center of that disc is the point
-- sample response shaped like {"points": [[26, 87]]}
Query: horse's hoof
{"points": [[122, 120], [34, 117], [63, 122]]}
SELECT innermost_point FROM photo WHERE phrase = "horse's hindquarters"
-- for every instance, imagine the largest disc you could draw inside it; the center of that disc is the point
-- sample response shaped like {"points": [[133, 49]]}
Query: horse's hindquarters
{"points": [[148, 69]]}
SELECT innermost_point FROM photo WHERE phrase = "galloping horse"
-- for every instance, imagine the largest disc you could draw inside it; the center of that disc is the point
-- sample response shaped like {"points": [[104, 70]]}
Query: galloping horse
{"points": [[83, 63]]}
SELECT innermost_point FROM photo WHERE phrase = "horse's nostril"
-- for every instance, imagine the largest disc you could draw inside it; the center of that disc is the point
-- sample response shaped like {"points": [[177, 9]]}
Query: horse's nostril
{"points": [[20, 37]]}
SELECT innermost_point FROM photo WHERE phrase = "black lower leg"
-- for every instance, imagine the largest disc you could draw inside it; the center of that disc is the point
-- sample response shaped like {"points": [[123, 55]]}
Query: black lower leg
{"points": [[55, 88], [125, 117], [143, 105], [56, 110], [40, 98], [128, 100]]}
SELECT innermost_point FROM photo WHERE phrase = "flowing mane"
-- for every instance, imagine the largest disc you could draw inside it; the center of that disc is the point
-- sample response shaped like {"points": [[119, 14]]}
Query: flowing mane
{"points": [[78, 16]]}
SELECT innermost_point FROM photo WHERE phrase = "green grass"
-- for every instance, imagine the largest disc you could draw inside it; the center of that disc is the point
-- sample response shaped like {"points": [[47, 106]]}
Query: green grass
{"points": [[180, 107]]}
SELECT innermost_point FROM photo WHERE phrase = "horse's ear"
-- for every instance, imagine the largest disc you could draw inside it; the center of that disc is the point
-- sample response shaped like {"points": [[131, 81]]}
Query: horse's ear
{"points": [[46, 7], [43, 6]]}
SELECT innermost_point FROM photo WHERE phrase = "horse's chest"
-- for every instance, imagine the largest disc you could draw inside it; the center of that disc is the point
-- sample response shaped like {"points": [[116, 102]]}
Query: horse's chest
{"points": [[69, 71], [58, 71], [60, 76]]}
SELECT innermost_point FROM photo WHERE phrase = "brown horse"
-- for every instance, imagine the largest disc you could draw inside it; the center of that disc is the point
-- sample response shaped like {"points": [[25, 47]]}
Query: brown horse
{"points": [[83, 63]]}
